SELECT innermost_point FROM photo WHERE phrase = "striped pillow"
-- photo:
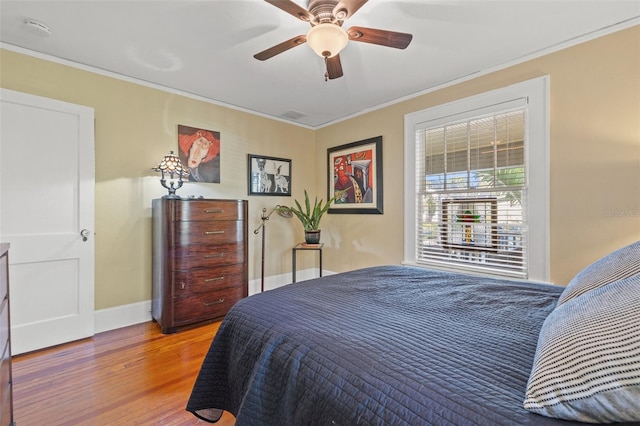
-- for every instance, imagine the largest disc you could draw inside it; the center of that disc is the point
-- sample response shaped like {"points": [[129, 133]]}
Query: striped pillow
{"points": [[587, 363], [620, 264]]}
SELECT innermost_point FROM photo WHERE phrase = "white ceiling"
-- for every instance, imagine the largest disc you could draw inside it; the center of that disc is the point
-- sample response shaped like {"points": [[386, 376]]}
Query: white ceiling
{"points": [[206, 48]]}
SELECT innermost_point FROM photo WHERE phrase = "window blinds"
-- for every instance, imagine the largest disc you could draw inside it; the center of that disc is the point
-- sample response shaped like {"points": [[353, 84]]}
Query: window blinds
{"points": [[471, 193]]}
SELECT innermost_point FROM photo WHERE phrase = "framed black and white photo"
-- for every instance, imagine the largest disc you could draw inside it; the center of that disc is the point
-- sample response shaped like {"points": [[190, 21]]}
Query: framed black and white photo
{"points": [[269, 175]]}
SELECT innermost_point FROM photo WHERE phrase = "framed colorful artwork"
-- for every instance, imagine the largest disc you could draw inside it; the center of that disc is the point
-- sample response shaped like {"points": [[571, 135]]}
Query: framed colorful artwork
{"points": [[356, 169], [269, 175], [199, 152]]}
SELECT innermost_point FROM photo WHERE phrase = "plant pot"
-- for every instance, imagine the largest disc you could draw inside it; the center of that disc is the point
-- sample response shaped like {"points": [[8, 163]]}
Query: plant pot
{"points": [[312, 237]]}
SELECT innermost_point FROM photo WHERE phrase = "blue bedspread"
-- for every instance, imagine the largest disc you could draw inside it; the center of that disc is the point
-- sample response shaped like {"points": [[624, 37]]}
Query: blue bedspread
{"points": [[388, 345]]}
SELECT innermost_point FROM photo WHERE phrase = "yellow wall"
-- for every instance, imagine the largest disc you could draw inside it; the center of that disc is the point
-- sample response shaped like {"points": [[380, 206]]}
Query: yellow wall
{"points": [[594, 156], [134, 127], [595, 162]]}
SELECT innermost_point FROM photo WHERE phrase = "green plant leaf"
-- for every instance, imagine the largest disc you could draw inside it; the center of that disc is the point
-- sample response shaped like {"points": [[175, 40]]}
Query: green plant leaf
{"points": [[310, 216]]}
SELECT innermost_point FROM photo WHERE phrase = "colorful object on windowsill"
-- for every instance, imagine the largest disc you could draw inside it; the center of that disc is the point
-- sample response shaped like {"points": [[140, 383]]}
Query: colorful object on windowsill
{"points": [[468, 217], [171, 165]]}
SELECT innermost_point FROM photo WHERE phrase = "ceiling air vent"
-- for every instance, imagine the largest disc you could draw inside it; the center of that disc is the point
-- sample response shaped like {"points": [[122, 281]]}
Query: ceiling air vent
{"points": [[293, 115]]}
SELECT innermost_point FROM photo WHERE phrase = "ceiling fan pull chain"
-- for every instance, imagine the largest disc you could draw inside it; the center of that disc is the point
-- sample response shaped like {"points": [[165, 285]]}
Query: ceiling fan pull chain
{"points": [[326, 67]]}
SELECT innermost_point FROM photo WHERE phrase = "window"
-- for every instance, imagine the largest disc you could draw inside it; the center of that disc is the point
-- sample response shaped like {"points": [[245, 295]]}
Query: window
{"points": [[478, 186]]}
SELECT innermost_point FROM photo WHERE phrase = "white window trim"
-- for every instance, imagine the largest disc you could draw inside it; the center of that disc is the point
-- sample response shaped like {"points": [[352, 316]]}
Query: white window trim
{"points": [[536, 94]]}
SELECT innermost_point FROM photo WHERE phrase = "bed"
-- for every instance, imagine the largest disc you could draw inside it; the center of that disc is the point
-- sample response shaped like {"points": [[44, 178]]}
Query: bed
{"points": [[386, 345]]}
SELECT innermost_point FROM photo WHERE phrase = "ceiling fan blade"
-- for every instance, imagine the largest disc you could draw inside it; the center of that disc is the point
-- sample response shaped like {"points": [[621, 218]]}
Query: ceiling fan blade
{"points": [[334, 67], [292, 8], [381, 37], [279, 48], [346, 8]]}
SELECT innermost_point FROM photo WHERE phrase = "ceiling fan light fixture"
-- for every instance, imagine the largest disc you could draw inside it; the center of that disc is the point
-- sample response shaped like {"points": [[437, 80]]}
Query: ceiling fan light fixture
{"points": [[327, 39]]}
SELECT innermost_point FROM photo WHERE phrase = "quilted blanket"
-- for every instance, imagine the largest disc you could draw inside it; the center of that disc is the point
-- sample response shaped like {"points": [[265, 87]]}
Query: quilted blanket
{"points": [[388, 345]]}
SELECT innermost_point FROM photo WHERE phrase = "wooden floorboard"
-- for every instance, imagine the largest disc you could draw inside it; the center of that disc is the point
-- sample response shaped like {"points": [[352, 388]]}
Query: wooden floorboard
{"points": [[130, 376]]}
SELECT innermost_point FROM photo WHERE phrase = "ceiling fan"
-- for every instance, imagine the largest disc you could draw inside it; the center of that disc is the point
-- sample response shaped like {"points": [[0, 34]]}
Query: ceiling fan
{"points": [[326, 36]]}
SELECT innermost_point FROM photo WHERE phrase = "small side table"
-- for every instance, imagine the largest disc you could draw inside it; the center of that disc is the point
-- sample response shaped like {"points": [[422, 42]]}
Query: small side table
{"points": [[305, 246]]}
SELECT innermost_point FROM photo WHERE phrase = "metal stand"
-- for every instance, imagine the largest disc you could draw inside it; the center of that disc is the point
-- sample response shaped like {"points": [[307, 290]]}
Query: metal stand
{"points": [[303, 246], [265, 217]]}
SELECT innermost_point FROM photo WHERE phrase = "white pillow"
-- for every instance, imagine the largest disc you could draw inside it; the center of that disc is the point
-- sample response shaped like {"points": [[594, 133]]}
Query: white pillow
{"points": [[620, 264], [587, 363]]}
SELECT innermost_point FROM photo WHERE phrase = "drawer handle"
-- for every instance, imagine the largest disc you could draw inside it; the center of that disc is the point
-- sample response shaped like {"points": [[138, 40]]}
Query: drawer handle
{"points": [[209, 256], [215, 302], [214, 211], [208, 280], [213, 232]]}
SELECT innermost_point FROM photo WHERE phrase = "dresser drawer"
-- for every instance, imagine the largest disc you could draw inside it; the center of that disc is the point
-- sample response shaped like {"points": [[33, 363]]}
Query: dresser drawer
{"points": [[197, 281], [4, 323], [202, 256], [5, 384], [211, 305], [4, 284], [197, 210], [209, 233]]}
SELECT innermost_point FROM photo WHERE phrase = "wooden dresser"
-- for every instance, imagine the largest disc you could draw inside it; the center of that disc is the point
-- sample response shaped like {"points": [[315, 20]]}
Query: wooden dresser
{"points": [[199, 260], [6, 381]]}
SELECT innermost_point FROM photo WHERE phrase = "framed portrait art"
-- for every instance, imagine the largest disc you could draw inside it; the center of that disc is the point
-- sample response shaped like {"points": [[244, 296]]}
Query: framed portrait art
{"points": [[269, 175], [199, 151], [356, 169]]}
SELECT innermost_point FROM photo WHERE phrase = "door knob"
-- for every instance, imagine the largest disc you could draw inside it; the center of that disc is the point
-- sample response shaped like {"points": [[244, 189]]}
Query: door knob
{"points": [[85, 234]]}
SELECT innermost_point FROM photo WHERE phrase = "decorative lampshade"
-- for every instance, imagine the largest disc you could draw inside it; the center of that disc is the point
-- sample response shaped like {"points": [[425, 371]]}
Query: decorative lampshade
{"points": [[327, 40], [172, 166]]}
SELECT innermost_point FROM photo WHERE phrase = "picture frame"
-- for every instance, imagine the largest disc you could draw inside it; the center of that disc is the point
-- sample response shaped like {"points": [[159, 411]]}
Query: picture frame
{"points": [[269, 175], [470, 224], [199, 152], [356, 168]]}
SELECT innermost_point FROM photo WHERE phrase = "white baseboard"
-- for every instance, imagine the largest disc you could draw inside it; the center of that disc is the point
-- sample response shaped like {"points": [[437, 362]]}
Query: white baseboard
{"points": [[271, 282], [122, 316], [276, 281], [136, 313]]}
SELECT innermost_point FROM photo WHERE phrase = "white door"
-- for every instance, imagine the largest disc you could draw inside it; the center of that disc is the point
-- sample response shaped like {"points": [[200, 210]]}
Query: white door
{"points": [[46, 203]]}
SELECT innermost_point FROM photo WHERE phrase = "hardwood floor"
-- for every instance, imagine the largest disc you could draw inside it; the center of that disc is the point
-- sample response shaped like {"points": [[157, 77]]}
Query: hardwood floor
{"points": [[130, 376]]}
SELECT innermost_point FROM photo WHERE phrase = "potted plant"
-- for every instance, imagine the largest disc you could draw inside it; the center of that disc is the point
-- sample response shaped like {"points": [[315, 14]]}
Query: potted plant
{"points": [[310, 216]]}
